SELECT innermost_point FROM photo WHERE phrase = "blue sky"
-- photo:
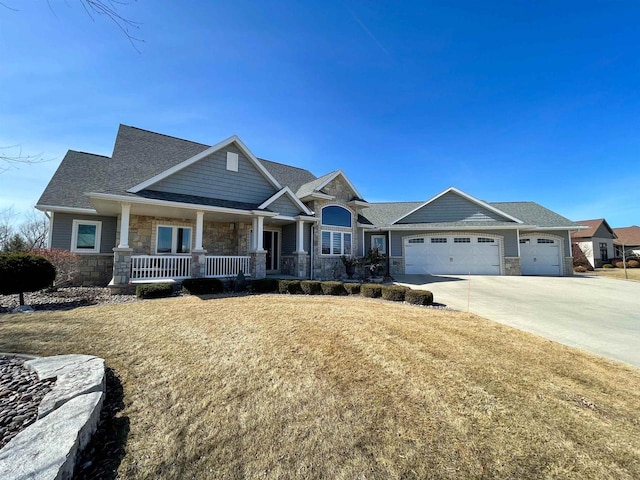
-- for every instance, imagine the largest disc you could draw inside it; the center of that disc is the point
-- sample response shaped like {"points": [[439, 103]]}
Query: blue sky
{"points": [[505, 100]]}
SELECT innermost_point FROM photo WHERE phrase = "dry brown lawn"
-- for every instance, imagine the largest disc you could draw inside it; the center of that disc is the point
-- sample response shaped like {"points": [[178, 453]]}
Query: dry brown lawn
{"points": [[632, 273], [345, 388]]}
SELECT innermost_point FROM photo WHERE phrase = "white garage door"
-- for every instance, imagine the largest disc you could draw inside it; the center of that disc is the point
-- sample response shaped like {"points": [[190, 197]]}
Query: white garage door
{"points": [[452, 255], [540, 256]]}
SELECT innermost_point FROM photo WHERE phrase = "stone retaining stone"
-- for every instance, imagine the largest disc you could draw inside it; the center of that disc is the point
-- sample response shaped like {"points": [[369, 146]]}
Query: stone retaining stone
{"points": [[67, 418]]}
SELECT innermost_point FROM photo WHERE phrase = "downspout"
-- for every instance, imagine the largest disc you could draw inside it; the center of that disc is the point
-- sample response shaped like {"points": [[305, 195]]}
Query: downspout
{"points": [[389, 252], [311, 242], [50, 229]]}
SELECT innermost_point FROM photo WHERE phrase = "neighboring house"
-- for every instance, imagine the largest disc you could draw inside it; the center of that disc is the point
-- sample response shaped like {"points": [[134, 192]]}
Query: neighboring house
{"points": [[596, 241], [628, 240], [166, 208]]}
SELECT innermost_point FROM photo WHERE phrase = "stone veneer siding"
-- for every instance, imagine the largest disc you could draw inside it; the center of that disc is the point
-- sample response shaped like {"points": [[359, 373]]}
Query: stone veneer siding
{"points": [[330, 267], [95, 270], [568, 266], [218, 238], [397, 266], [512, 266]]}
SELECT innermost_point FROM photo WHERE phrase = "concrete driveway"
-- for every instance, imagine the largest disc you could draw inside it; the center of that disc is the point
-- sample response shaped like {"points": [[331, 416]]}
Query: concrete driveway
{"points": [[596, 314]]}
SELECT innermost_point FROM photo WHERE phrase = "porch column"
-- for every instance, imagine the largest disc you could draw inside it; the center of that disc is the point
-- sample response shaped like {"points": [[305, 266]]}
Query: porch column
{"points": [[254, 238], [300, 237], [199, 228], [258, 260], [259, 234], [124, 225]]}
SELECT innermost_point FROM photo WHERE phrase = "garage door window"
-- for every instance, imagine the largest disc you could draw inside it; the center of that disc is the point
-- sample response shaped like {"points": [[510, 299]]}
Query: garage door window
{"points": [[525, 241], [438, 240], [461, 240], [545, 240], [416, 240], [486, 240]]}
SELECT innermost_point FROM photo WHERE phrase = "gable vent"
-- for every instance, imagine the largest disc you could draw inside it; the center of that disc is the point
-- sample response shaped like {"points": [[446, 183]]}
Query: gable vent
{"points": [[232, 162]]}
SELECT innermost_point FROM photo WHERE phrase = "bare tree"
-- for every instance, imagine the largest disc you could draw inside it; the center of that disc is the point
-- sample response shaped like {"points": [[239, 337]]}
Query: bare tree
{"points": [[12, 156], [7, 218], [34, 230]]}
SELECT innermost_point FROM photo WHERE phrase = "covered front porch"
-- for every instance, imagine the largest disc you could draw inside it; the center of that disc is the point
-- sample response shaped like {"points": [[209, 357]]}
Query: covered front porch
{"points": [[181, 241]]}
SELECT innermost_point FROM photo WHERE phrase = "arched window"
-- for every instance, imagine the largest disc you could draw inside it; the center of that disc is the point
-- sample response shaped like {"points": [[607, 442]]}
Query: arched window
{"points": [[336, 216]]}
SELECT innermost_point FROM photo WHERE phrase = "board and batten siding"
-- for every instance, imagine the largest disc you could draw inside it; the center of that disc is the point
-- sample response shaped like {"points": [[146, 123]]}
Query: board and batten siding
{"points": [[452, 208], [210, 178], [63, 227], [510, 239], [284, 206]]}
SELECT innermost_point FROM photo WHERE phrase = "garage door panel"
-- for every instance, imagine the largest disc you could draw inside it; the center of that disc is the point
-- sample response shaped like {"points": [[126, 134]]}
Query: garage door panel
{"points": [[540, 256], [452, 255]]}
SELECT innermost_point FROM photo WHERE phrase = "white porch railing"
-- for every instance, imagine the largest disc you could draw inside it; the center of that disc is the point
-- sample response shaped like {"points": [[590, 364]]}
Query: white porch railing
{"points": [[156, 267], [225, 266], [152, 267]]}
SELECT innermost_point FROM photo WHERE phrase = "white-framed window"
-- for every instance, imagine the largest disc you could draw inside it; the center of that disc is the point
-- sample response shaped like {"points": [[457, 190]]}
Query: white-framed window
{"points": [[336, 243], [336, 216], [172, 239], [85, 236], [379, 242]]}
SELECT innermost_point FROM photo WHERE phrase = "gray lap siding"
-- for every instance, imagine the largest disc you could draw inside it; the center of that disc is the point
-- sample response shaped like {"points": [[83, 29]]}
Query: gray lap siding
{"points": [[62, 230]]}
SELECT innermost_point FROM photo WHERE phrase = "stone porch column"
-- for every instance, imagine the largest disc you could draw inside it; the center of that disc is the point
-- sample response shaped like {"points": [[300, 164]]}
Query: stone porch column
{"points": [[258, 264], [301, 260], [121, 266], [198, 267]]}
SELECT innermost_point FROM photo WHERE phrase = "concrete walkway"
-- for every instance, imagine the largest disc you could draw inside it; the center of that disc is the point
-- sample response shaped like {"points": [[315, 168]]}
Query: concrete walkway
{"points": [[596, 314]]}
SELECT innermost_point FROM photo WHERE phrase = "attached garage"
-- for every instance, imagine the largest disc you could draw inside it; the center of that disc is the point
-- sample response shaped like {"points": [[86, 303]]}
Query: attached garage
{"points": [[455, 254], [540, 256]]}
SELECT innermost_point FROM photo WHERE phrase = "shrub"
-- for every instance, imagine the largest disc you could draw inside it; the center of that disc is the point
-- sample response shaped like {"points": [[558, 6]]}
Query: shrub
{"points": [[24, 272], [67, 265], [394, 293], [419, 297], [154, 290], [579, 269], [371, 290], [352, 288], [617, 265], [607, 265], [289, 286], [202, 286], [633, 264], [311, 287], [264, 285], [333, 288]]}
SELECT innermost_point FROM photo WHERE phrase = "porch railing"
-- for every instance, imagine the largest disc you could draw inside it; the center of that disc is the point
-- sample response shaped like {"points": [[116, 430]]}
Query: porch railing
{"points": [[152, 267], [225, 266], [156, 267]]}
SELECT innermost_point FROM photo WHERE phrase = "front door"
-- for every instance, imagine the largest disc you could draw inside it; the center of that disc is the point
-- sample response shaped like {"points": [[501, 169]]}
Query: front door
{"points": [[270, 242]]}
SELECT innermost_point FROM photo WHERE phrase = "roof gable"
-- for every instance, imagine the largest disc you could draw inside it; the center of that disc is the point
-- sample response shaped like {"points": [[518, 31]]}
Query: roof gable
{"points": [[285, 202], [204, 154], [315, 187], [595, 228], [453, 205]]}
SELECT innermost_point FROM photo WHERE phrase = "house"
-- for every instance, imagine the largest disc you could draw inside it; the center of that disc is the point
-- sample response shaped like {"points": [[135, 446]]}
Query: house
{"points": [[596, 241], [628, 240], [161, 207]]}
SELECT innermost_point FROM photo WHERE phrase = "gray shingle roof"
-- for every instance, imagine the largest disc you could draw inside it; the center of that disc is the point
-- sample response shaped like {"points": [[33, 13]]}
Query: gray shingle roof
{"points": [[197, 200], [78, 172], [532, 213], [293, 177], [137, 156], [311, 186]]}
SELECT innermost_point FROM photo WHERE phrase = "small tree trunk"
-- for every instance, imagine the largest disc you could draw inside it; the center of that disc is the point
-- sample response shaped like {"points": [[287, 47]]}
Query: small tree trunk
{"points": [[21, 298]]}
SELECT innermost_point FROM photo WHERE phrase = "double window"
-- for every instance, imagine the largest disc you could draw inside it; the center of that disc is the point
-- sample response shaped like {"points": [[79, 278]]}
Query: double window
{"points": [[173, 239], [336, 243], [85, 236]]}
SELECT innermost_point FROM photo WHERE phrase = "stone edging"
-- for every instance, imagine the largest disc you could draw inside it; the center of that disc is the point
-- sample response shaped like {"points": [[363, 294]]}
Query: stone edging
{"points": [[67, 418]]}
